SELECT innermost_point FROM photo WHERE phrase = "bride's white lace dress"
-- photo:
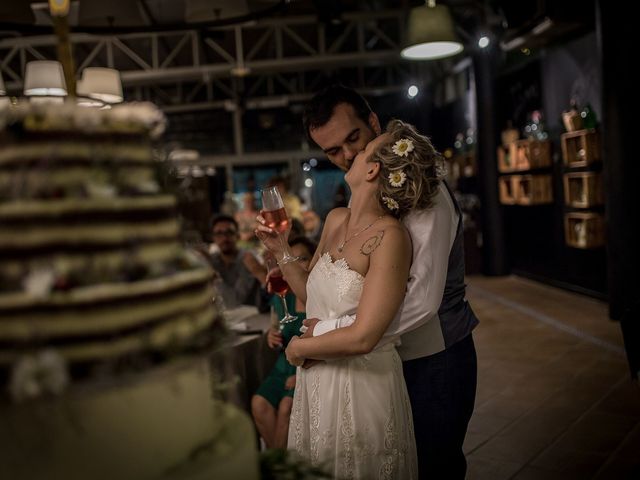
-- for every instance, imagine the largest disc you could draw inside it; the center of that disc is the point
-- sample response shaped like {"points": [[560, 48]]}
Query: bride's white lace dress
{"points": [[351, 416]]}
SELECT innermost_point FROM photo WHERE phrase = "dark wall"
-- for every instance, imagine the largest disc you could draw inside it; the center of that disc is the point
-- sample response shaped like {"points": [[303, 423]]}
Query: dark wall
{"points": [[535, 234]]}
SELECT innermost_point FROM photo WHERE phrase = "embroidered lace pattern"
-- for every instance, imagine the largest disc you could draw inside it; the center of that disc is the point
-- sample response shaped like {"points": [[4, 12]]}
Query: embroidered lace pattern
{"points": [[296, 422], [338, 271], [315, 419], [346, 432], [387, 468]]}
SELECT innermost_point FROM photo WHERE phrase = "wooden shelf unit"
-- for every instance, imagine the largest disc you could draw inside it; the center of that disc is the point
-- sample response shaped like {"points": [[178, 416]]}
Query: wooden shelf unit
{"points": [[533, 189], [525, 189], [583, 189], [580, 148], [584, 230], [507, 158], [506, 186], [524, 155]]}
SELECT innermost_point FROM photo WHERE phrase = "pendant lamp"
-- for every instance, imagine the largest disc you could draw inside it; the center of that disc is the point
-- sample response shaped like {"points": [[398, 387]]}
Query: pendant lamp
{"points": [[44, 78], [430, 33], [101, 84]]}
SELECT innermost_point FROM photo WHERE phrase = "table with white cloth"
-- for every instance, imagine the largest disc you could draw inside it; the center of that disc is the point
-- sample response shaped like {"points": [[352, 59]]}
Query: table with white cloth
{"points": [[250, 359]]}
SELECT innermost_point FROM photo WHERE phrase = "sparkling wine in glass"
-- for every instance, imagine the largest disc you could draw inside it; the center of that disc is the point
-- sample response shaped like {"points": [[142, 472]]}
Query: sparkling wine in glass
{"points": [[279, 286], [276, 218]]}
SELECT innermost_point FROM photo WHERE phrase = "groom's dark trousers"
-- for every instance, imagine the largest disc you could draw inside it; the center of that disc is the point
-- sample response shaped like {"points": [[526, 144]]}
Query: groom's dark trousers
{"points": [[442, 390]]}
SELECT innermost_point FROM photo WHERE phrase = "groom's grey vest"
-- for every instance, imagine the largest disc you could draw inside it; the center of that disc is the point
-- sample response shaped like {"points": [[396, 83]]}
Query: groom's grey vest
{"points": [[456, 317]]}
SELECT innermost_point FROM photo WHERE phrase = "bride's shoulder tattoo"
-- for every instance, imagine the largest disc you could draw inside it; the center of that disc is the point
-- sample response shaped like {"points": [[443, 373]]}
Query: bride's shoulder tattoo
{"points": [[369, 246]]}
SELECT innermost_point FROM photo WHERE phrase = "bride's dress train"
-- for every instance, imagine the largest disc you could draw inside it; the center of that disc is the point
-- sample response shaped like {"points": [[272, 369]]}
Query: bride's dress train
{"points": [[351, 416]]}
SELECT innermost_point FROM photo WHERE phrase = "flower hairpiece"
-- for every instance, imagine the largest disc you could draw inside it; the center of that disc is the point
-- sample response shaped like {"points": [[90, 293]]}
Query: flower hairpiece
{"points": [[403, 147], [390, 203], [397, 178]]}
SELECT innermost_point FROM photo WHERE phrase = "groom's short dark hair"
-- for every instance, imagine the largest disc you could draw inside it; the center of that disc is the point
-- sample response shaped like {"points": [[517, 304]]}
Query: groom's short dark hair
{"points": [[320, 108]]}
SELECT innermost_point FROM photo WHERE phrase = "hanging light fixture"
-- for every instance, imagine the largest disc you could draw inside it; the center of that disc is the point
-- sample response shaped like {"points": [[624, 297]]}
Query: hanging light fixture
{"points": [[101, 84], [44, 78], [430, 33], [211, 10], [111, 13]]}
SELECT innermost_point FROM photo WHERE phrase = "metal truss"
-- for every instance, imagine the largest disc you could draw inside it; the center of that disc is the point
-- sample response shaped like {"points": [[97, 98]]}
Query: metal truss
{"points": [[205, 68], [273, 63]]}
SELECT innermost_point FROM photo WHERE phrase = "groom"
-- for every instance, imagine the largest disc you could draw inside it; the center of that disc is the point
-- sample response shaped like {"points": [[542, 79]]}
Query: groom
{"points": [[439, 358]]}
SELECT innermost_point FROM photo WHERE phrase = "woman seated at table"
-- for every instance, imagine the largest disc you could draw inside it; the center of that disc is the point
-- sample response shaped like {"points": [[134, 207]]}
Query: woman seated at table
{"points": [[271, 405]]}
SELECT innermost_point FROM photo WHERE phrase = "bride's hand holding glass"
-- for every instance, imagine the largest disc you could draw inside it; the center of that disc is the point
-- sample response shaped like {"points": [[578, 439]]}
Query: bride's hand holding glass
{"points": [[274, 225]]}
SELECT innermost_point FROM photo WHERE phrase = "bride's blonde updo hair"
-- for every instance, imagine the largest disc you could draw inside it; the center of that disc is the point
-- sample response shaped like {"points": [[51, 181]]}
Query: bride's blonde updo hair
{"points": [[410, 170]]}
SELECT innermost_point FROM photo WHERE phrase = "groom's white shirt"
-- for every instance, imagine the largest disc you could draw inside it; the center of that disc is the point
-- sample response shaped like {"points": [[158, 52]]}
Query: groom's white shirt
{"points": [[417, 323]]}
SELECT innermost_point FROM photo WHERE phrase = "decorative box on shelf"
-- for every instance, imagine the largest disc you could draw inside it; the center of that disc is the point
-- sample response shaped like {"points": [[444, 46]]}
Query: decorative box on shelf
{"points": [[507, 191], [584, 230], [580, 148], [583, 189], [533, 189], [532, 154], [524, 155], [507, 158], [525, 189]]}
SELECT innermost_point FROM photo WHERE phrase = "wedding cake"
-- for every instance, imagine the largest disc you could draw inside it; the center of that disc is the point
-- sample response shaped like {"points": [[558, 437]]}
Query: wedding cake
{"points": [[106, 322]]}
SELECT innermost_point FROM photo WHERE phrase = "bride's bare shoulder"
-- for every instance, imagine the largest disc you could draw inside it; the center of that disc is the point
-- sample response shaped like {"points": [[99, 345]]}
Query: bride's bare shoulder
{"points": [[336, 216]]}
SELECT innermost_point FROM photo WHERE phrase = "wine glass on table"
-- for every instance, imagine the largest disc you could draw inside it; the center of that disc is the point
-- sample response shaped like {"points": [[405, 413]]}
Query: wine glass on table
{"points": [[276, 218], [278, 285]]}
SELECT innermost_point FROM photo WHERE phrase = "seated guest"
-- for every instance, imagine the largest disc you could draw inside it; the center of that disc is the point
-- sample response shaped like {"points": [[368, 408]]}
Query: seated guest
{"points": [[271, 405], [246, 219], [241, 275]]}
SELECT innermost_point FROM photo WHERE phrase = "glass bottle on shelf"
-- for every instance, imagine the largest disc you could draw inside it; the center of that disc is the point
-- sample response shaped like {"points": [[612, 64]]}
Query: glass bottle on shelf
{"points": [[589, 119], [571, 118]]}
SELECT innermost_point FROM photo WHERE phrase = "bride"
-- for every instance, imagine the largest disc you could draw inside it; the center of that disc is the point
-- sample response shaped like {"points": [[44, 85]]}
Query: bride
{"points": [[351, 413]]}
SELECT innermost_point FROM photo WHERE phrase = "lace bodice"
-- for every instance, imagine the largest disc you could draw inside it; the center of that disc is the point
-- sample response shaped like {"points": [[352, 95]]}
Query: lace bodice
{"points": [[333, 289]]}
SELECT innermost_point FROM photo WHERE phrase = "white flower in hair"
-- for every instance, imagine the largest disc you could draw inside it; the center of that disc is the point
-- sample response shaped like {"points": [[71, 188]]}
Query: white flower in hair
{"points": [[402, 147], [397, 178], [390, 203]]}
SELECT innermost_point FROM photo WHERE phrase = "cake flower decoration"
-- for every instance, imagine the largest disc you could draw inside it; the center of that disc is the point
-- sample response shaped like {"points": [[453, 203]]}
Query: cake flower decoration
{"points": [[35, 375], [403, 147], [39, 282], [397, 178], [390, 203]]}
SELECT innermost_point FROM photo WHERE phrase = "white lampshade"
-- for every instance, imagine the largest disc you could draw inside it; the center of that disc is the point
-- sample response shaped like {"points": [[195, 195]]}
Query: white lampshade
{"points": [[44, 78], [430, 34], [100, 84], [3, 91]]}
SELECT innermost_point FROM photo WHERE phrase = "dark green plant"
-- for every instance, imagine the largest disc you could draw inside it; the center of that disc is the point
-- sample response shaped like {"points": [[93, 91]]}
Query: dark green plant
{"points": [[279, 464]]}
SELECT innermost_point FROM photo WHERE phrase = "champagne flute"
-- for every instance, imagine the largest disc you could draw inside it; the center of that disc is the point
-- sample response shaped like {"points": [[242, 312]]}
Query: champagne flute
{"points": [[276, 218], [279, 286]]}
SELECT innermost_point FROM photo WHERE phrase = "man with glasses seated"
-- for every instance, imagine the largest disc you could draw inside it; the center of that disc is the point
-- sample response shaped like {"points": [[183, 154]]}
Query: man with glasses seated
{"points": [[240, 272]]}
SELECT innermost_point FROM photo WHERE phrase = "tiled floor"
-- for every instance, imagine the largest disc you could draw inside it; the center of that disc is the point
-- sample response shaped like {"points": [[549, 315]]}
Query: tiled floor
{"points": [[554, 398]]}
